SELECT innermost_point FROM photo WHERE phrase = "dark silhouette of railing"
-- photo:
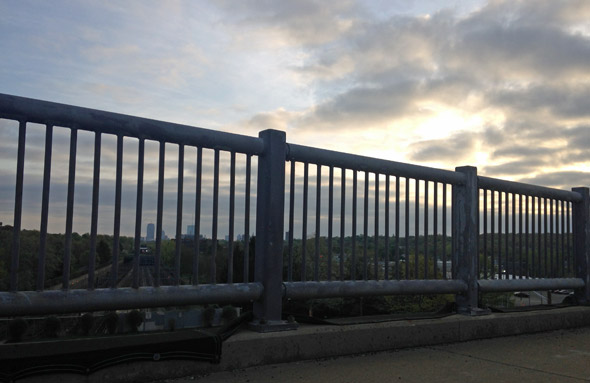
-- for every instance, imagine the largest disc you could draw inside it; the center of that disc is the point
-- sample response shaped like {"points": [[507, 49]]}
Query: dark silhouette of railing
{"points": [[433, 231]]}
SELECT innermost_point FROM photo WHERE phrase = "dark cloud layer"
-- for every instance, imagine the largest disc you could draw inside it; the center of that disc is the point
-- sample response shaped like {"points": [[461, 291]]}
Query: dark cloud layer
{"points": [[523, 63]]}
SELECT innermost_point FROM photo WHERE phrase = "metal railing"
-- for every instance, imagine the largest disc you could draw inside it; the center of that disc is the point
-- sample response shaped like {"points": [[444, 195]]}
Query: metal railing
{"points": [[408, 230]]}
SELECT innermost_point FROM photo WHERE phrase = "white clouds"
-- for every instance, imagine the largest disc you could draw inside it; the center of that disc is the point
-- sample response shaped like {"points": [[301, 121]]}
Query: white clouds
{"points": [[308, 22], [503, 85]]}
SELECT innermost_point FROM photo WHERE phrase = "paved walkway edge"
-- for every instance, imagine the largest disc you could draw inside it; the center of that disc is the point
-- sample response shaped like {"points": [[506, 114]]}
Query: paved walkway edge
{"points": [[246, 348]]}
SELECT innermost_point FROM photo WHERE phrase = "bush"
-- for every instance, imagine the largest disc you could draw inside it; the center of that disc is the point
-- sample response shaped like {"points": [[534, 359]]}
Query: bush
{"points": [[51, 327], [229, 313], [111, 321], [134, 319], [209, 315], [85, 323], [17, 329]]}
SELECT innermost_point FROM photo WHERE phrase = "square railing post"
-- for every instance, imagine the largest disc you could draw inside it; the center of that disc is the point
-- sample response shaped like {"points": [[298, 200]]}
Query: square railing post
{"points": [[465, 233], [270, 201], [581, 231]]}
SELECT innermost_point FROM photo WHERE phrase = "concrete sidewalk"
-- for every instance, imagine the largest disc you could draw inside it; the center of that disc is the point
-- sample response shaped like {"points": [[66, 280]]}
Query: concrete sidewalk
{"points": [[556, 356], [541, 346]]}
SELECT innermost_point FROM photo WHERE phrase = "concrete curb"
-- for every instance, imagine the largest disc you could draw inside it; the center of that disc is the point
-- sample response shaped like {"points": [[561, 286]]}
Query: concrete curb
{"points": [[246, 348]]}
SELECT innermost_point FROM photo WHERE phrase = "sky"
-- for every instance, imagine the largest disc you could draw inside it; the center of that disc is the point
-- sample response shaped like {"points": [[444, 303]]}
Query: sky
{"points": [[500, 85]]}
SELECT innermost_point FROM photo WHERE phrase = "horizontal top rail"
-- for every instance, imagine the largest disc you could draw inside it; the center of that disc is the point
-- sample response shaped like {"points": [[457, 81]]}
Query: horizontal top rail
{"points": [[45, 112], [527, 189], [368, 164]]}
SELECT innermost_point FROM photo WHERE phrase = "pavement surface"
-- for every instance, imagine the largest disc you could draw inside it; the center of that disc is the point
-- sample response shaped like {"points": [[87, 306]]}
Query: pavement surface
{"points": [[556, 356], [547, 344]]}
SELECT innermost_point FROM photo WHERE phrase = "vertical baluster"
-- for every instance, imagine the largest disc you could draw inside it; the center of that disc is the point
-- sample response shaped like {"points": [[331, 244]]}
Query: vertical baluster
{"points": [[330, 219], [342, 219], [407, 227], [386, 252], [70, 209], [117, 218], [534, 264], [247, 219], [318, 204], [138, 211], [159, 213], [570, 263], [426, 208], [526, 236], [94, 214], [514, 272], [492, 232], [354, 201], [563, 257], [45, 208], [197, 223], [551, 249], [507, 242], [520, 236], [232, 209], [179, 197], [500, 234], [214, 224], [397, 273], [444, 229], [416, 225], [376, 238], [435, 231], [291, 220], [485, 234], [365, 226], [304, 222], [18, 204], [540, 231], [546, 269]]}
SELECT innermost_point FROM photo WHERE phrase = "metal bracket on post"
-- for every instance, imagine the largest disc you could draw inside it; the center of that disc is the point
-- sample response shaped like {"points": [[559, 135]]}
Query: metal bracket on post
{"points": [[465, 232], [581, 228], [270, 205]]}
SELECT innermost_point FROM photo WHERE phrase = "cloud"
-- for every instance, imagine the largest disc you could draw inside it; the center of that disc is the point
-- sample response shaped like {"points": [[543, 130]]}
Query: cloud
{"points": [[453, 149], [578, 138], [513, 168], [308, 22], [560, 179], [278, 120], [562, 101], [502, 85]]}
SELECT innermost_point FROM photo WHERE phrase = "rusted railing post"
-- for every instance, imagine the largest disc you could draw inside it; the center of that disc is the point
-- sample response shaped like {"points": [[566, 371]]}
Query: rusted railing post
{"points": [[270, 206], [465, 232], [581, 231]]}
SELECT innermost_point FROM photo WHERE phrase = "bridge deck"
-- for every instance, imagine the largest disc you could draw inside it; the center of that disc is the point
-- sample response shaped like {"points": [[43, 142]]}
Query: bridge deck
{"points": [[556, 356], [433, 352]]}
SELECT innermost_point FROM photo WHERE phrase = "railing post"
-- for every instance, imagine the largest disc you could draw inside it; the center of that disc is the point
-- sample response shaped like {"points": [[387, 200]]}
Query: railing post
{"points": [[465, 232], [581, 231], [270, 207]]}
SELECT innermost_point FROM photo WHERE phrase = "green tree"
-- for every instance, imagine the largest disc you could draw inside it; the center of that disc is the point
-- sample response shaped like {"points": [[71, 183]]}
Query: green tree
{"points": [[103, 252]]}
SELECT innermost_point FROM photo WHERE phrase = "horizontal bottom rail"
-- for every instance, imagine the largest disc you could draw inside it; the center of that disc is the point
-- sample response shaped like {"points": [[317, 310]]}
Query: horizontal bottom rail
{"points": [[332, 289], [71, 301], [503, 285]]}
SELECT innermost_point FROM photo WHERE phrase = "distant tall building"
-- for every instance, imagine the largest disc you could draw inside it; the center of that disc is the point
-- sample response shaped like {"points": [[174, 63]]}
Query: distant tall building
{"points": [[150, 232], [190, 230]]}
